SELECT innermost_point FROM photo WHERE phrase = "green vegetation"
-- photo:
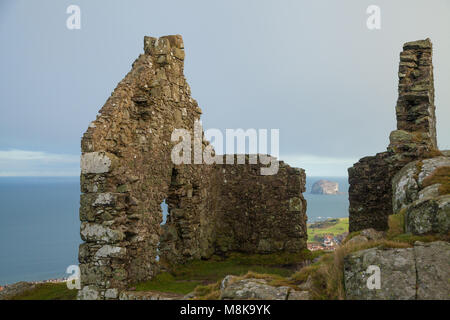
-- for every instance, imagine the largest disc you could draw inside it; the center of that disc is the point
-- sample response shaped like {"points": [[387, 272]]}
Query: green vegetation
{"points": [[351, 235], [410, 238], [165, 282], [48, 291], [327, 273], [183, 279], [208, 292], [396, 224], [335, 227], [442, 176], [396, 231], [432, 154]]}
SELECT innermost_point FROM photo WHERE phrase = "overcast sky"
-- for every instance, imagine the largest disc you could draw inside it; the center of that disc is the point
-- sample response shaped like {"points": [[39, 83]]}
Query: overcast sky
{"points": [[309, 68]]}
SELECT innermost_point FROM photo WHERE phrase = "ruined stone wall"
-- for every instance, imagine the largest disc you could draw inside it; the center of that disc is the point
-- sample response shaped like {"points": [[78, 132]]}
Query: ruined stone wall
{"points": [[127, 172], [261, 214], [370, 179], [189, 232]]}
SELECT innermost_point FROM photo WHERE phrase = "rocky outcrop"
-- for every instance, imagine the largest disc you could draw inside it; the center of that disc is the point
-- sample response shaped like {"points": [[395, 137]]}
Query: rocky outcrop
{"points": [[233, 288], [15, 289], [398, 274], [127, 171], [433, 272], [430, 215], [325, 187], [366, 235], [408, 184], [370, 179], [419, 190], [419, 273]]}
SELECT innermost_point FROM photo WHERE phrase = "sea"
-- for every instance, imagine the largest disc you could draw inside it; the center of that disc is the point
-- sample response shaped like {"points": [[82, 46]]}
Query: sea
{"points": [[39, 224]]}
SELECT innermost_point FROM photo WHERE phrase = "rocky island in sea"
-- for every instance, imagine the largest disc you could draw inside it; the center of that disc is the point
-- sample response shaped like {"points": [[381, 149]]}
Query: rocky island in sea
{"points": [[325, 187]]}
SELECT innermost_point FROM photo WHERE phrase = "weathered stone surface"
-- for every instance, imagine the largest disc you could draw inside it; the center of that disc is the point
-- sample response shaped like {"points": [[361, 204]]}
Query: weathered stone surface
{"points": [[357, 239], [398, 274], [372, 234], [307, 285], [111, 293], [256, 289], [325, 187], [404, 187], [426, 209], [262, 214], [407, 184], [110, 251], [298, 295], [429, 215], [88, 293], [104, 199], [370, 191], [428, 166], [429, 192], [95, 162], [149, 295], [412, 273], [419, 44], [366, 235], [91, 232], [433, 272]]}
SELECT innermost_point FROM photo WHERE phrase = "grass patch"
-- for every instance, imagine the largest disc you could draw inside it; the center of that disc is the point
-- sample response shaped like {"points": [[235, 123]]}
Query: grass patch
{"points": [[272, 279], [208, 292], [396, 223], [165, 282], [419, 165], [442, 176], [303, 275], [212, 270], [204, 275], [318, 230], [274, 259], [396, 232], [48, 291], [433, 153], [410, 238]]}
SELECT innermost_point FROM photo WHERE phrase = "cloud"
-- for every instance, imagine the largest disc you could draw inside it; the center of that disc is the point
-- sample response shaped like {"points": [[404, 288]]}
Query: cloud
{"points": [[319, 165], [16, 162], [39, 163], [37, 155]]}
